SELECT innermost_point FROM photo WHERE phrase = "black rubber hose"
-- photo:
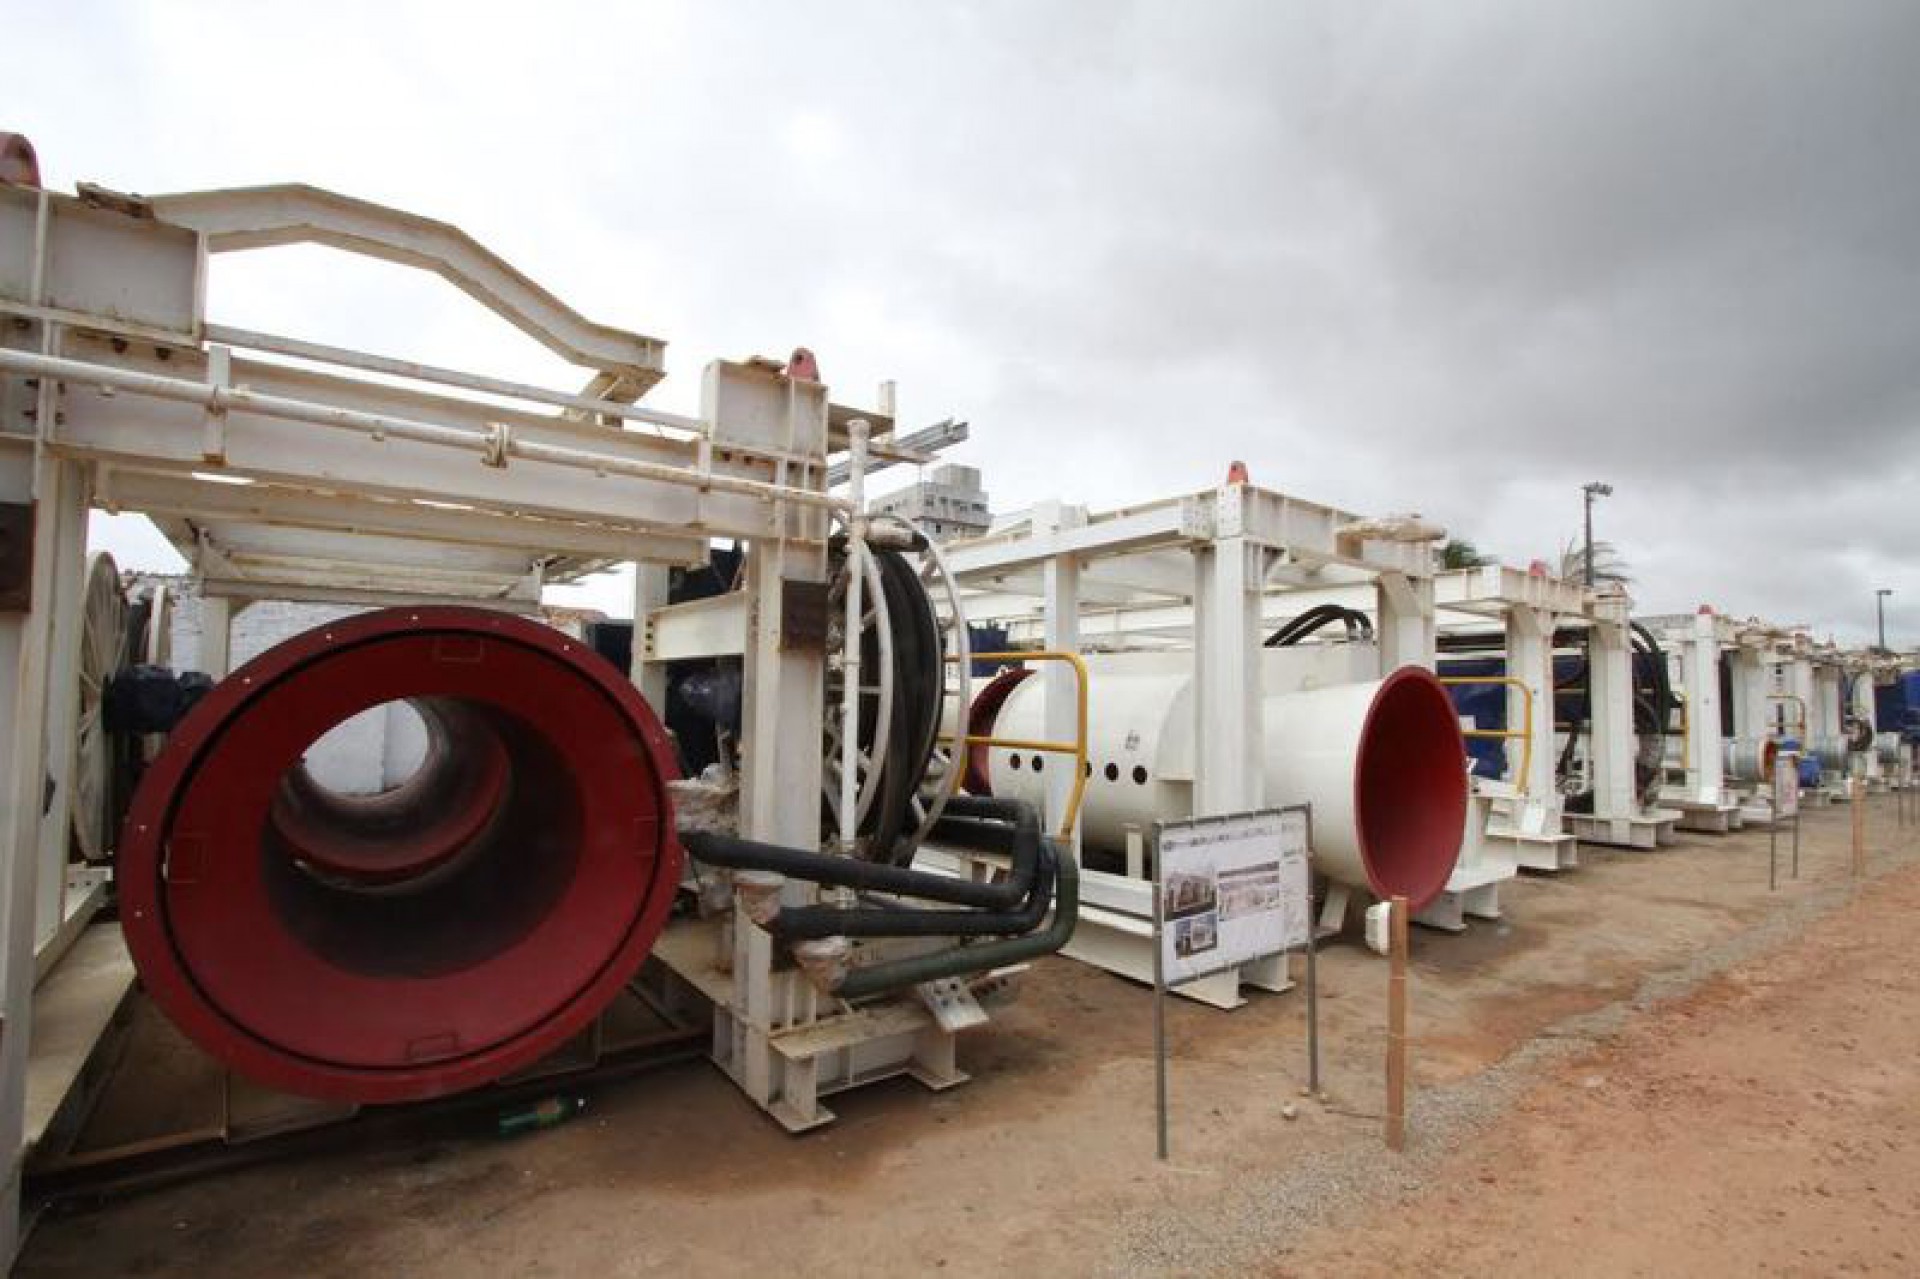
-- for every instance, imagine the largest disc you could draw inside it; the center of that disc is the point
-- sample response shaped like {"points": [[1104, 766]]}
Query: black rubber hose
{"points": [[918, 679], [735, 853], [1358, 624], [878, 979], [1664, 701], [1577, 727], [800, 923]]}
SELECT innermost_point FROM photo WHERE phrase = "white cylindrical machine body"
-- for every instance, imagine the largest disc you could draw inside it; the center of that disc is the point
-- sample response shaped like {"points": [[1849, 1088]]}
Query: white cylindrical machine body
{"points": [[1379, 761]]}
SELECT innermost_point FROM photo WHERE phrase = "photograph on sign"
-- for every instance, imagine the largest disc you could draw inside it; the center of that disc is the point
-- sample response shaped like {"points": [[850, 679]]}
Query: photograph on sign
{"points": [[1786, 784], [1232, 890]]}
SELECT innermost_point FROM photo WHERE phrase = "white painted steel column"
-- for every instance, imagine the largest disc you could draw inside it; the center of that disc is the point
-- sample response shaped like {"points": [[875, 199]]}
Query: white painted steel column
{"points": [[780, 748], [1752, 721], [68, 522], [58, 490], [216, 636], [1610, 731], [1798, 715], [649, 595], [1060, 720], [1824, 711], [1706, 754], [1530, 660], [1406, 626], [1229, 741], [1229, 703]]}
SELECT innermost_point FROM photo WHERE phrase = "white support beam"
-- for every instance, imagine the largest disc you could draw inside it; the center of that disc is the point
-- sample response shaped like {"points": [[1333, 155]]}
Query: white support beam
{"points": [[262, 217], [1060, 692], [649, 597], [1228, 704], [1530, 660], [1610, 730], [27, 693], [1406, 627], [162, 494], [215, 657], [1706, 758]]}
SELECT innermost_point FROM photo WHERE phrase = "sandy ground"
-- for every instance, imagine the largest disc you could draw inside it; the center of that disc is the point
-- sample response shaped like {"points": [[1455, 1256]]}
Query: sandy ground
{"points": [[1767, 1124], [1651, 1065]]}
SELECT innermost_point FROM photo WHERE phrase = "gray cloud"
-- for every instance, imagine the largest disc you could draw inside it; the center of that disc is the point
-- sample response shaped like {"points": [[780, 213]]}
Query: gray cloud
{"points": [[1456, 259]]}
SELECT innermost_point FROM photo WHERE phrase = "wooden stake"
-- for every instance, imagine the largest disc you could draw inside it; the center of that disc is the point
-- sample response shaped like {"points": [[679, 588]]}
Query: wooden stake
{"points": [[1397, 1029], [1859, 789]]}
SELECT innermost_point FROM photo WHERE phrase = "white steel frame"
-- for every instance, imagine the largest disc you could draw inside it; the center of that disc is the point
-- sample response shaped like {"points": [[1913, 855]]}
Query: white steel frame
{"points": [[359, 478], [1209, 572]]}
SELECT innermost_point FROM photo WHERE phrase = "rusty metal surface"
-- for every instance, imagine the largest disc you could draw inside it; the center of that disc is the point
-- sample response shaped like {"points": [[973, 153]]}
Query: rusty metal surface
{"points": [[803, 616], [16, 557]]}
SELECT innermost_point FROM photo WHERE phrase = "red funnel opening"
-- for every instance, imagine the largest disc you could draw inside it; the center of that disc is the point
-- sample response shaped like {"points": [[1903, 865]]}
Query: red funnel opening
{"points": [[430, 938], [1410, 788], [980, 720]]}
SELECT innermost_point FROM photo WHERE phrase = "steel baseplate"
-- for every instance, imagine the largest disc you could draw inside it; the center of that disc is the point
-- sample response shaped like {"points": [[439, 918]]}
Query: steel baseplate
{"points": [[1471, 892], [786, 1046], [1537, 852], [1642, 831], [1713, 816]]}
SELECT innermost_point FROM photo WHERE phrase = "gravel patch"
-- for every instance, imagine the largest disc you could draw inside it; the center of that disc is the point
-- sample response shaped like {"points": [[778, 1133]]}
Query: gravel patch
{"points": [[1253, 1225]]}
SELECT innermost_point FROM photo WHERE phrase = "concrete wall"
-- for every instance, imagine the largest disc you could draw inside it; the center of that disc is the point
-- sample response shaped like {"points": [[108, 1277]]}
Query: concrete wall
{"points": [[375, 750]]}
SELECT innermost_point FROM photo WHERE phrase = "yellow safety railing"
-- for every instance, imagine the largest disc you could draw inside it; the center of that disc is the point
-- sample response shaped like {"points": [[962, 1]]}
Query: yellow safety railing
{"points": [[1505, 734], [1076, 748]]}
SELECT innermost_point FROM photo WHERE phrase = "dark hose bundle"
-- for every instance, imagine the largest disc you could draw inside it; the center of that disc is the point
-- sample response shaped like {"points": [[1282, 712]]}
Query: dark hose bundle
{"points": [[1359, 625], [1040, 876]]}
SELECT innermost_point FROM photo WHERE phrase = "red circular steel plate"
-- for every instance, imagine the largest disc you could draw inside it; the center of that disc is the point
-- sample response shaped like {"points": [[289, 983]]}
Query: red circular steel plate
{"points": [[433, 971]]}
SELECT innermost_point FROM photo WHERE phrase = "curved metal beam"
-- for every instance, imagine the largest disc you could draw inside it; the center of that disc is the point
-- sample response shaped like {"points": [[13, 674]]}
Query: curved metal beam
{"points": [[269, 216]]}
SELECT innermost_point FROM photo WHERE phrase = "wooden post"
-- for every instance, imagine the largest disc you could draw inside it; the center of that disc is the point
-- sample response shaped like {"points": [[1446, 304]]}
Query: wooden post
{"points": [[1397, 1028], [1859, 789]]}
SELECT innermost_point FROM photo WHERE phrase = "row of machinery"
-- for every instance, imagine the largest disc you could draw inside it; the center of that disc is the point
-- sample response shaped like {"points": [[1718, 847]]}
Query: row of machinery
{"points": [[803, 814]]}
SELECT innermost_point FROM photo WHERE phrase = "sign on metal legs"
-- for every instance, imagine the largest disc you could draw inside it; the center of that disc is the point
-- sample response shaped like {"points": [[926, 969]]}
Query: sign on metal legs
{"points": [[1227, 891]]}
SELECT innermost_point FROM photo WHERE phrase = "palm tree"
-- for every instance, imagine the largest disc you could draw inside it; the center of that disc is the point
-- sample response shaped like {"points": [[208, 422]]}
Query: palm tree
{"points": [[1457, 552], [1609, 566]]}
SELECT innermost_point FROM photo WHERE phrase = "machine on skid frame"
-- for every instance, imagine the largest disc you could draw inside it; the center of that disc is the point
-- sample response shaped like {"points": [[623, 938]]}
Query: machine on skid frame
{"points": [[478, 921]]}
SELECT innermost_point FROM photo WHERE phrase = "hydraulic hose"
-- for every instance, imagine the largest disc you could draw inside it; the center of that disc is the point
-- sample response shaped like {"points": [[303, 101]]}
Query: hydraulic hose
{"points": [[735, 853], [878, 979], [1358, 624], [802, 923]]}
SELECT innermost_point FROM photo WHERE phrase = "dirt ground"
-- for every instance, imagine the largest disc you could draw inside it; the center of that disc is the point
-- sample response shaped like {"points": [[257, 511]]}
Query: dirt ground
{"points": [[1651, 1065]]}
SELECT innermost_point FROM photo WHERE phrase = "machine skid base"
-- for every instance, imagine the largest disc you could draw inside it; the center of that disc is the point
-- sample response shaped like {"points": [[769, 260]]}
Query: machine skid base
{"points": [[1639, 832], [1539, 852]]}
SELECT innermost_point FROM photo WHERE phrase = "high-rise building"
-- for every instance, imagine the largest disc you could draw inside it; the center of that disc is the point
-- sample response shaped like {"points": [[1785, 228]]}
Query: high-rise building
{"points": [[948, 502]]}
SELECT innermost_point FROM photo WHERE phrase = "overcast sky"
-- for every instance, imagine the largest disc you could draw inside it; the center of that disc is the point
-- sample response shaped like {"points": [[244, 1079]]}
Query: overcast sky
{"points": [[1450, 258]]}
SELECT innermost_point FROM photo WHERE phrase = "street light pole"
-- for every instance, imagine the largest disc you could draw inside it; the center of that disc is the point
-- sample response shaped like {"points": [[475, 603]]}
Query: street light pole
{"points": [[1880, 608], [1593, 490]]}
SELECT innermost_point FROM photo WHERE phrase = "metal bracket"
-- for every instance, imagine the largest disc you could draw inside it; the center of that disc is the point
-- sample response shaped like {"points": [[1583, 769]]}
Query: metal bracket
{"points": [[952, 1004]]}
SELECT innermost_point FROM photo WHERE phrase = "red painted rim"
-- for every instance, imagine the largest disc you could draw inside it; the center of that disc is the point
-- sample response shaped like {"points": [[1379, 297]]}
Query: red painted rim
{"points": [[981, 717], [417, 828], [1410, 788], [373, 997]]}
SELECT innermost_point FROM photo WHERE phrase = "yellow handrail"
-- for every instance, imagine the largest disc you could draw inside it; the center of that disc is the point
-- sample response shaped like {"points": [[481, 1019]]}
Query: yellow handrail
{"points": [[1505, 734], [1799, 701], [1077, 749]]}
